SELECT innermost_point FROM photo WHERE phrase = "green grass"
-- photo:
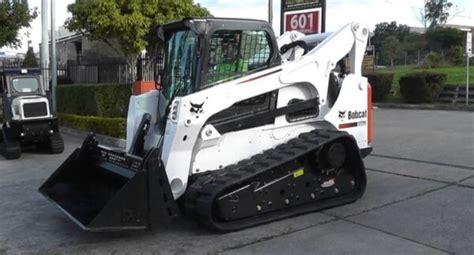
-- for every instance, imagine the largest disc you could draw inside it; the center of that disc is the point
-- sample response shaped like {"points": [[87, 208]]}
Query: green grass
{"points": [[456, 74]]}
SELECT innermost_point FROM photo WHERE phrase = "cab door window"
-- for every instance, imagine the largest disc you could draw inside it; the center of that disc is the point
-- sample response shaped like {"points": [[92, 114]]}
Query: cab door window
{"points": [[232, 54]]}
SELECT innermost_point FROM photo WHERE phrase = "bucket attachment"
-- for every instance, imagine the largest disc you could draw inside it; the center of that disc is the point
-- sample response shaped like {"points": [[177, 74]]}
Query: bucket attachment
{"points": [[102, 189]]}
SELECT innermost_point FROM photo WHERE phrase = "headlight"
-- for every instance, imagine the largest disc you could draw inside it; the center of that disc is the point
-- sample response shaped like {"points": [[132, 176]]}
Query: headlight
{"points": [[16, 110]]}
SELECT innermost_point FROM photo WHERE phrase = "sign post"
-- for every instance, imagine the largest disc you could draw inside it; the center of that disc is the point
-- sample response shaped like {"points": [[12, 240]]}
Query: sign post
{"points": [[54, 72], [468, 55], [305, 16], [44, 44]]}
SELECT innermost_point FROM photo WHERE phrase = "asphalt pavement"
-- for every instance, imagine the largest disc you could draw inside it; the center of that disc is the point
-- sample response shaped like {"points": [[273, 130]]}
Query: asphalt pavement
{"points": [[419, 200]]}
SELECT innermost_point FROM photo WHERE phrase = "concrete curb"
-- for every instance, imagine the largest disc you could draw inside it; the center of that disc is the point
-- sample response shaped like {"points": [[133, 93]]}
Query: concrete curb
{"points": [[103, 139], [425, 107]]}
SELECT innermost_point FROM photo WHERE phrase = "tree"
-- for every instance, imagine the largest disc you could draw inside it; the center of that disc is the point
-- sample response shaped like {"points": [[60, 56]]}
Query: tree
{"points": [[437, 12], [384, 30], [421, 16], [391, 49], [455, 55], [443, 38], [414, 45], [128, 27], [14, 15], [30, 59], [414, 42]]}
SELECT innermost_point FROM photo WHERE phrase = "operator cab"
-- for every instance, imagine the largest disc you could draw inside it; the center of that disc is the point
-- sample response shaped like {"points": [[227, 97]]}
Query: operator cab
{"points": [[23, 96], [18, 82], [204, 52]]}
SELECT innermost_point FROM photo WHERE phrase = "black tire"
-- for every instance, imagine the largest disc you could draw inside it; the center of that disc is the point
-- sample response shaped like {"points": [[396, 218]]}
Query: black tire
{"points": [[56, 144], [11, 150]]}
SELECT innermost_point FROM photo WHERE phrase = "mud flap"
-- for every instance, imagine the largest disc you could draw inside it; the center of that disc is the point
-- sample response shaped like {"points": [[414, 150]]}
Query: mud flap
{"points": [[105, 190]]}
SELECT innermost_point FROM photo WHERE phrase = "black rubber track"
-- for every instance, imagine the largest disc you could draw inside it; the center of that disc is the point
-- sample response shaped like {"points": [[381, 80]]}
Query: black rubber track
{"points": [[201, 196], [56, 143], [9, 149]]}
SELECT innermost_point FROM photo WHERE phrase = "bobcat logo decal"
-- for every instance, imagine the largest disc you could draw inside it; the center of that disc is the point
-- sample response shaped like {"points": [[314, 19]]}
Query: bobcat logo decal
{"points": [[342, 115], [196, 108]]}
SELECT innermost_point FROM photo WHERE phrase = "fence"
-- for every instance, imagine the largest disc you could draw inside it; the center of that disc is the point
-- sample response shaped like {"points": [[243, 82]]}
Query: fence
{"points": [[104, 72]]}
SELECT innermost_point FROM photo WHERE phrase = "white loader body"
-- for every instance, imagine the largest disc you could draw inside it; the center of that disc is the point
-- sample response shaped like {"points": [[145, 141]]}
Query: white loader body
{"points": [[191, 147]]}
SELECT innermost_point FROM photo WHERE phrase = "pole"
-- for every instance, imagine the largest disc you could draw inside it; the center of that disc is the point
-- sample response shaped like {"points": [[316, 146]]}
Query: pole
{"points": [[44, 43], [282, 15], [270, 12], [468, 54], [467, 79], [54, 72]]}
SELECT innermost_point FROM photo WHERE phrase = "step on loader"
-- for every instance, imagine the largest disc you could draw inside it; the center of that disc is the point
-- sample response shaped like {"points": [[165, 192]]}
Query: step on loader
{"points": [[246, 129]]}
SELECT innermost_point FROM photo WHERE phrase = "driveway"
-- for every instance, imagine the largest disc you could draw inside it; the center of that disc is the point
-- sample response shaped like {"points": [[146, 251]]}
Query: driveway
{"points": [[419, 200]]}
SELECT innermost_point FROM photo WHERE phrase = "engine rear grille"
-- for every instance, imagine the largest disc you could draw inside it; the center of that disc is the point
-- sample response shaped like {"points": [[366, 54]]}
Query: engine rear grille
{"points": [[32, 110]]}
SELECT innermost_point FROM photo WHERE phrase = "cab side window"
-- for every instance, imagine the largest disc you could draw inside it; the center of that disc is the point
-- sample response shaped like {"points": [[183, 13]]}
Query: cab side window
{"points": [[2, 84], [234, 53]]}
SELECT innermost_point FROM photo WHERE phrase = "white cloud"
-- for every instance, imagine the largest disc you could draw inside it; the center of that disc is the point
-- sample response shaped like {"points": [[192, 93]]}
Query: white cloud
{"points": [[340, 12]]}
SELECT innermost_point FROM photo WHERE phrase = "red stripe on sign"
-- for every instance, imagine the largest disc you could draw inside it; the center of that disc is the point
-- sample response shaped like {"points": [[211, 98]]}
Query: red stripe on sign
{"points": [[258, 77]]}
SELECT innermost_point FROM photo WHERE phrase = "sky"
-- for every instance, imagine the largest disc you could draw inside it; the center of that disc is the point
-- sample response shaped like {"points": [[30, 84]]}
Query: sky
{"points": [[338, 13]]}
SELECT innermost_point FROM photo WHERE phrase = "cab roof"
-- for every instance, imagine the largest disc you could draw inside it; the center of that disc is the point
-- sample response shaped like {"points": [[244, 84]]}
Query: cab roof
{"points": [[20, 71], [203, 25]]}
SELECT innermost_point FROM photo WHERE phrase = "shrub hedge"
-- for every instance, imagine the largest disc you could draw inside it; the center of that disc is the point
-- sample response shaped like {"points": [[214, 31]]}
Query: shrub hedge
{"points": [[104, 100], [455, 55], [114, 127], [434, 60], [422, 87], [381, 84]]}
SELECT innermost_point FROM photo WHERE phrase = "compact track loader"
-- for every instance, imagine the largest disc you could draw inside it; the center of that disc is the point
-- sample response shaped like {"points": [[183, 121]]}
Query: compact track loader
{"points": [[246, 129], [26, 117]]}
